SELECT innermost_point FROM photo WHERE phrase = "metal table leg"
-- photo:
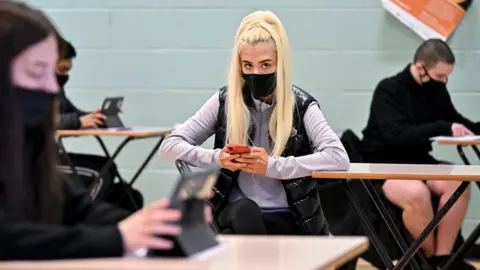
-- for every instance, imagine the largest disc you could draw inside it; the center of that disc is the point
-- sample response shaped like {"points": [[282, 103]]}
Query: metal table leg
{"points": [[462, 154], [107, 154], [111, 159], [146, 161], [142, 166], [64, 153], [367, 226], [473, 237], [460, 253], [431, 226], [391, 225]]}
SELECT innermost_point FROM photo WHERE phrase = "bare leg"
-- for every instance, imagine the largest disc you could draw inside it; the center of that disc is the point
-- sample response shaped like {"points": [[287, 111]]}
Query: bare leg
{"points": [[450, 225], [414, 198]]}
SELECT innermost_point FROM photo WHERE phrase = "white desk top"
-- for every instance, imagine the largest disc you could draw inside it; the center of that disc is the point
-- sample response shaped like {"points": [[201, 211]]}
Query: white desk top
{"points": [[136, 132], [242, 252], [376, 171], [463, 141]]}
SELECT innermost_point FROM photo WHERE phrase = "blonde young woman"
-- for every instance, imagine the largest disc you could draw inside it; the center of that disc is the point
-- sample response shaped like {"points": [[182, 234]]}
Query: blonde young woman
{"points": [[269, 190]]}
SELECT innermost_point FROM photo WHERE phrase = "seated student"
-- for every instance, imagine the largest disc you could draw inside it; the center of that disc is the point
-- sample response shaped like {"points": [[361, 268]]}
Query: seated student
{"points": [[408, 109], [270, 190], [42, 217], [70, 116]]}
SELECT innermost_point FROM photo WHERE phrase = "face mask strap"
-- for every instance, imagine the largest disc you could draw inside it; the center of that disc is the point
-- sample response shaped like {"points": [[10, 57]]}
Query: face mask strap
{"points": [[426, 74]]}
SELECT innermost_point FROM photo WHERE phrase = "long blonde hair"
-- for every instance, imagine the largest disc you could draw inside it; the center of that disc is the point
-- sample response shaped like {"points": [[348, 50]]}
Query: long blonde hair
{"points": [[257, 27]]}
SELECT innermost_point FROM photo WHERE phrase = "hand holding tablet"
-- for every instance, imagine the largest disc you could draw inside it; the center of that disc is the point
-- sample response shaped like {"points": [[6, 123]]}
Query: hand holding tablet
{"points": [[190, 197]]}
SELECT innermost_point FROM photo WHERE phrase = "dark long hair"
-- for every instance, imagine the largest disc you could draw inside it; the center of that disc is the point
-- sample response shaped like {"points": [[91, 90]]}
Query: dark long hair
{"points": [[27, 191]]}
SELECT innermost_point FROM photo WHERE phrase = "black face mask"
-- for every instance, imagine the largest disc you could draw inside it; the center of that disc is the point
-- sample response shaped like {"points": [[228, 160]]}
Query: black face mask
{"points": [[62, 80], [432, 84], [260, 85], [36, 105]]}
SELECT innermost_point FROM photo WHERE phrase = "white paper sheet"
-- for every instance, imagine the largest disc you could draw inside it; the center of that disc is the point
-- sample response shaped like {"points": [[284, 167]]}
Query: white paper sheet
{"points": [[456, 139]]}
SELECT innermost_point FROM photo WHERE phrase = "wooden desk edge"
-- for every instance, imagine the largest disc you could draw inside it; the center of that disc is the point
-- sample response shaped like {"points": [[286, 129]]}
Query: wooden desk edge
{"points": [[400, 176], [458, 143], [356, 252], [127, 133]]}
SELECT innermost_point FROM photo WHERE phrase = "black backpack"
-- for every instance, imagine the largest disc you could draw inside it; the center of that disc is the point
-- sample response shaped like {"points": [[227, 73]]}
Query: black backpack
{"points": [[88, 167]]}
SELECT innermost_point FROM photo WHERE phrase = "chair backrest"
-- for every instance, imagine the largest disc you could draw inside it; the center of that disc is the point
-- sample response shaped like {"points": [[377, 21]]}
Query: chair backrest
{"points": [[182, 166], [338, 210], [353, 145]]}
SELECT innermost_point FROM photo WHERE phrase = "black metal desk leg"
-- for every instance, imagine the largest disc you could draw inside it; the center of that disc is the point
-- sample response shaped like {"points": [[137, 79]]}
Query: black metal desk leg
{"points": [[391, 224], [103, 146], [431, 226], [367, 226], [67, 158], [147, 160], [462, 155], [109, 163], [111, 159], [107, 155], [460, 254]]}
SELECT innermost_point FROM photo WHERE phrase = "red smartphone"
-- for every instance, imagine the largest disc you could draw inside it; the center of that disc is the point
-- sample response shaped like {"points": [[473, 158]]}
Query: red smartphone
{"points": [[238, 148]]}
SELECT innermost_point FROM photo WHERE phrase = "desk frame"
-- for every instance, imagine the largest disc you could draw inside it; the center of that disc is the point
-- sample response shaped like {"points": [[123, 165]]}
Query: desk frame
{"points": [[111, 160], [411, 251], [475, 234], [408, 253]]}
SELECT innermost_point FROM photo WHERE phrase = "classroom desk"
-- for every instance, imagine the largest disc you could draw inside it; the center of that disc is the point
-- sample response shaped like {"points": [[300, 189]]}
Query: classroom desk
{"points": [[460, 144], [129, 135], [366, 171], [241, 252]]}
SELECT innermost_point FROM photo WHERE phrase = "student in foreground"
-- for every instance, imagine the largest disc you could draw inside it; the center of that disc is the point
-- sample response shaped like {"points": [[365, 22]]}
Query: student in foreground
{"points": [[41, 216], [270, 189], [408, 109]]}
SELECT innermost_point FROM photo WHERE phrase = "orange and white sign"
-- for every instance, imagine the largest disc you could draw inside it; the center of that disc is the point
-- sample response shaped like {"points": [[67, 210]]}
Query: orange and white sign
{"points": [[429, 18]]}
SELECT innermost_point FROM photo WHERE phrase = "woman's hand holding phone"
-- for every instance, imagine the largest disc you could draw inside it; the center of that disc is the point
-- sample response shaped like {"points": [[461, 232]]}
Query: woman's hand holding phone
{"points": [[228, 160], [236, 157], [238, 148], [255, 162]]}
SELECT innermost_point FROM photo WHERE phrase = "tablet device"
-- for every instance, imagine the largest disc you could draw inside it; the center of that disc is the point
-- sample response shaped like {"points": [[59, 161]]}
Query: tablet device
{"points": [[112, 105], [190, 196], [111, 108], [194, 186]]}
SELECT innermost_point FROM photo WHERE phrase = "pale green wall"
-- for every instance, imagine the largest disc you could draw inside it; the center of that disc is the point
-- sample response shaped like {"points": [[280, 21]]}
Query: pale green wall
{"points": [[168, 56]]}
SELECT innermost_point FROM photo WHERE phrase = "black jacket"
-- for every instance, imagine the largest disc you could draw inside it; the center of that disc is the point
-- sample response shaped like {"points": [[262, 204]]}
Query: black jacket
{"points": [[302, 194], [404, 116], [89, 230], [69, 114]]}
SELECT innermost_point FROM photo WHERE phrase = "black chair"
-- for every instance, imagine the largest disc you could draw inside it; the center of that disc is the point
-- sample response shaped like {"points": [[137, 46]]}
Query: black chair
{"points": [[183, 168]]}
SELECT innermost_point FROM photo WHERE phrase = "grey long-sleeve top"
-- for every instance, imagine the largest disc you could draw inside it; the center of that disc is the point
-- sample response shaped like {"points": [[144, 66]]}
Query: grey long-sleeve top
{"points": [[267, 191]]}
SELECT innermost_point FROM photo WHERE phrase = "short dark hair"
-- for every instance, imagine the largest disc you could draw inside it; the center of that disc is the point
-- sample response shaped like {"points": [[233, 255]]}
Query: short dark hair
{"points": [[433, 51], [66, 49]]}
